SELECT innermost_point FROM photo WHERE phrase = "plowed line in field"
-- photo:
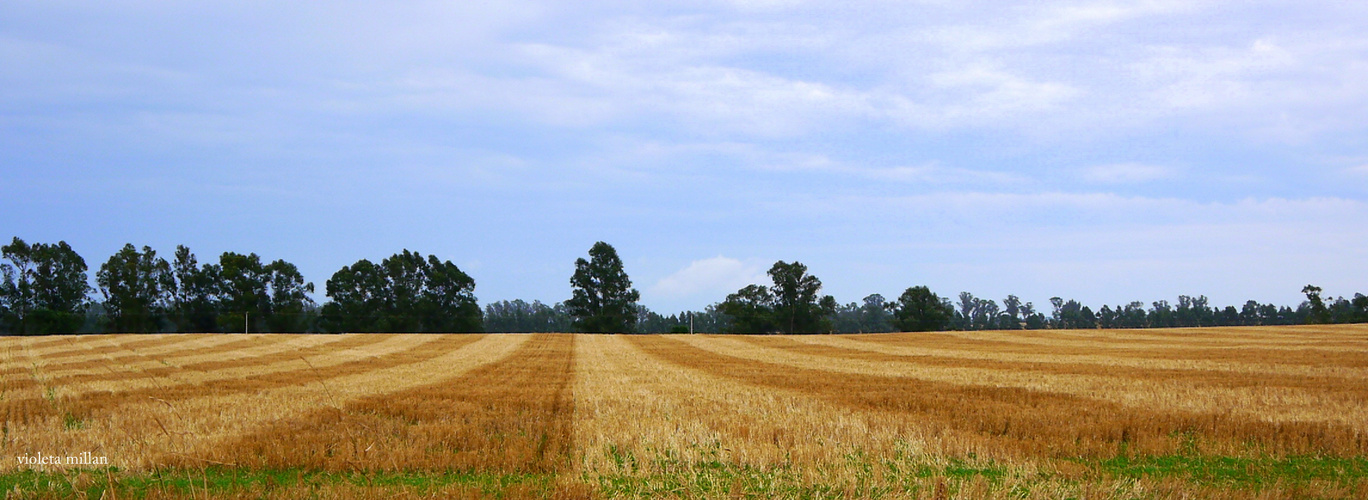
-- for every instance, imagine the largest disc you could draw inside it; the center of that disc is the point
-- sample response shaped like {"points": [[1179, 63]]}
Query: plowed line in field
{"points": [[1134, 340], [1122, 343], [262, 352], [140, 434], [116, 343], [1022, 421], [1264, 403], [17, 342], [1352, 388], [511, 416], [1293, 337], [250, 378], [1337, 357], [1293, 333], [141, 362], [39, 379], [159, 373], [354, 354], [1128, 340], [55, 344], [631, 404], [60, 343]]}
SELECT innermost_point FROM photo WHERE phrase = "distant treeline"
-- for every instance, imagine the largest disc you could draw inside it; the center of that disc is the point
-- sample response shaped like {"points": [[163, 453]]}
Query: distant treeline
{"points": [[45, 290], [875, 314]]}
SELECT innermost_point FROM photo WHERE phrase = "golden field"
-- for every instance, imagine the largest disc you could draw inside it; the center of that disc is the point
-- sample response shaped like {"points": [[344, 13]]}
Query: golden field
{"points": [[1257, 412]]}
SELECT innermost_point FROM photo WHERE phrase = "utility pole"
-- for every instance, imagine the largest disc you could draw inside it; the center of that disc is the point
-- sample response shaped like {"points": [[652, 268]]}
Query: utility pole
{"points": [[690, 322], [246, 322]]}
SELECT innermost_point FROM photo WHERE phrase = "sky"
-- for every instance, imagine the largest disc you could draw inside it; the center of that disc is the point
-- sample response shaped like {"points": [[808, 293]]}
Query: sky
{"points": [[1101, 151]]}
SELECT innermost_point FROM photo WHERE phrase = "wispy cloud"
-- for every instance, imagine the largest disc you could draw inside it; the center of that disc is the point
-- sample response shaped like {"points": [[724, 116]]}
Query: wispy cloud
{"points": [[1154, 208], [713, 276], [798, 129], [1126, 173]]}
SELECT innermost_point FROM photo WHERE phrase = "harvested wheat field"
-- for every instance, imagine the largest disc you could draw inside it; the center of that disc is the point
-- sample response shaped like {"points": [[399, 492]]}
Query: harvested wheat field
{"points": [[1258, 412]]}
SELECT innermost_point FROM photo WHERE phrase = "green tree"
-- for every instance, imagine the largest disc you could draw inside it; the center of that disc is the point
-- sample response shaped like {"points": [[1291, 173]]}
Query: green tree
{"points": [[244, 294], [1249, 314], [750, 310], [790, 305], [16, 291], [518, 316], [290, 304], [1011, 307], [870, 317], [405, 293], [1133, 315], [448, 302], [1317, 311], [1360, 306], [1071, 314], [45, 287], [5, 313], [874, 315], [1161, 315], [195, 294], [987, 314], [359, 294], [137, 287], [1229, 316], [404, 273], [1193, 311], [261, 297], [797, 307], [920, 310], [968, 307], [1086, 318], [602, 298], [1106, 317]]}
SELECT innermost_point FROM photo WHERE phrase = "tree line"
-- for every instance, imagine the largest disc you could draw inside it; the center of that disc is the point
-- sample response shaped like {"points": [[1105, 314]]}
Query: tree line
{"points": [[793, 304], [45, 289]]}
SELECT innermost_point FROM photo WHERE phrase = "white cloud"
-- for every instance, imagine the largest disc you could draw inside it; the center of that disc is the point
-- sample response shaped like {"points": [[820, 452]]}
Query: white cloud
{"points": [[933, 173], [1179, 77], [1126, 173], [722, 122], [980, 93], [799, 69], [717, 275], [975, 212]]}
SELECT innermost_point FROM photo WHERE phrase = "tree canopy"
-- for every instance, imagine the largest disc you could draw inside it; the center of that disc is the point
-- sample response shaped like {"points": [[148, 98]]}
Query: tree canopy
{"points": [[919, 310], [195, 297], [602, 298], [136, 287], [791, 305], [519, 316], [44, 288], [404, 293]]}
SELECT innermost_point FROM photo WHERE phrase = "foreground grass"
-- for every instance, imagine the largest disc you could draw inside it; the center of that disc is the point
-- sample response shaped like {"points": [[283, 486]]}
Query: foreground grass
{"points": [[1238, 472], [1121, 477], [217, 482]]}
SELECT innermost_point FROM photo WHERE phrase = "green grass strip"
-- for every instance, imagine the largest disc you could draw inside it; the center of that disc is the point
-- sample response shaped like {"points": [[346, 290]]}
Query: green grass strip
{"points": [[222, 480], [1237, 471]]}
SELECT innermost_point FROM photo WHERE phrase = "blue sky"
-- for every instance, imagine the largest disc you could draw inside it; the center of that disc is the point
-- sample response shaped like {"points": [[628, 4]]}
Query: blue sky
{"points": [[1103, 151]]}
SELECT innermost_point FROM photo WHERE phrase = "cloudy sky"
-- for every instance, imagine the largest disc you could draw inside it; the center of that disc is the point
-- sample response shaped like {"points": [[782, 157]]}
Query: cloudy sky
{"points": [[1103, 151]]}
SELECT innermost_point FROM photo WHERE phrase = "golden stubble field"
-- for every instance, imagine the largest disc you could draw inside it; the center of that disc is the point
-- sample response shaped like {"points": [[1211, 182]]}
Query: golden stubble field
{"points": [[1198, 413]]}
